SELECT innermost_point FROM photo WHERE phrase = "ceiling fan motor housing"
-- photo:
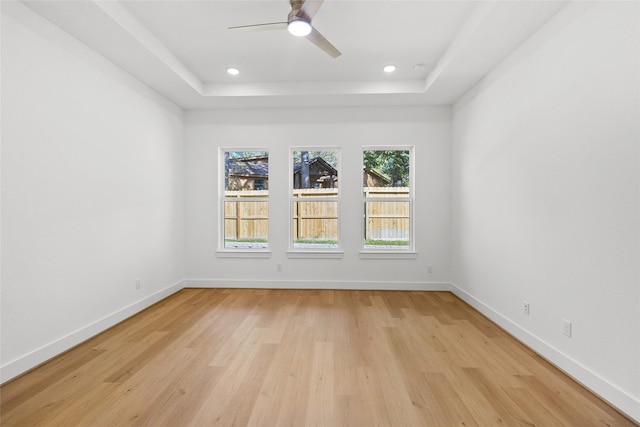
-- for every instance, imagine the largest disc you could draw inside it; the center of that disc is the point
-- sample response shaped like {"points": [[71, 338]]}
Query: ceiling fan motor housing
{"points": [[295, 13]]}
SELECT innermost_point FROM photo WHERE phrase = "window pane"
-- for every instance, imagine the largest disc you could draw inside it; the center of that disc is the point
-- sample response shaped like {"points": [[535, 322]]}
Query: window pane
{"points": [[246, 224], [387, 224], [386, 168], [315, 170], [315, 224], [246, 206], [246, 170]]}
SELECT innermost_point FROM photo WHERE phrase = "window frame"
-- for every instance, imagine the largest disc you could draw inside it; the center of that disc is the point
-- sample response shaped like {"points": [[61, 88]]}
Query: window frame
{"points": [[293, 252], [226, 252], [386, 253]]}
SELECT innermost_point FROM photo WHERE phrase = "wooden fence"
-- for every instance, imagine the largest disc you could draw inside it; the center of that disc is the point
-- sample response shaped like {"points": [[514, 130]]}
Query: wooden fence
{"points": [[247, 219], [387, 220], [244, 218], [318, 219]]}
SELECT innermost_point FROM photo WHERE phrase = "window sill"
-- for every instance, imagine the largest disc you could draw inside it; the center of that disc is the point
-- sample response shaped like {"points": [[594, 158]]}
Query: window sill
{"points": [[388, 255], [316, 254], [243, 254]]}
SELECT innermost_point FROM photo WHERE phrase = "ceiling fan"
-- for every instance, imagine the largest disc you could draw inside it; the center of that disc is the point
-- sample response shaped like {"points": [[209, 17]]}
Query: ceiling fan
{"points": [[299, 24]]}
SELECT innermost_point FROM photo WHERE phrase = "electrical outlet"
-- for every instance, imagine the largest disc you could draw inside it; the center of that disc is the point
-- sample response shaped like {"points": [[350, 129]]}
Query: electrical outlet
{"points": [[278, 267], [138, 283], [429, 269], [566, 327], [525, 308]]}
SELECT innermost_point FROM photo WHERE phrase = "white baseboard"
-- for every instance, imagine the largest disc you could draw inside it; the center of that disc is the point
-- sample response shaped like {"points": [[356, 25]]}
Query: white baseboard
{"points": [[317, 284], [609, 392], [29, 361]]}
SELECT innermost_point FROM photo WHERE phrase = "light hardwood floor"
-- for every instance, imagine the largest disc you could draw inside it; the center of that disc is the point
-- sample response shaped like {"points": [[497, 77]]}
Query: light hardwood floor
{"points": [[209, 357]]}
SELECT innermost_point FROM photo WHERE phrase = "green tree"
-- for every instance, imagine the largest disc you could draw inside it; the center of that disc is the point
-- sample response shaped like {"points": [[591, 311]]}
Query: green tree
{"points": [[243, 154], [392, 163], [329, 156]]}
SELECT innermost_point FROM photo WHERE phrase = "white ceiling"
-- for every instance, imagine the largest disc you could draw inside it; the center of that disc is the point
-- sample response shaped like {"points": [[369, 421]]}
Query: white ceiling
{"points": [[183, 48]]}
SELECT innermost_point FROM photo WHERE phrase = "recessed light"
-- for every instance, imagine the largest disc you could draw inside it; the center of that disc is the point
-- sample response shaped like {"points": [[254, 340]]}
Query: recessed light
{"points": [[389, 68], [233, 71]]}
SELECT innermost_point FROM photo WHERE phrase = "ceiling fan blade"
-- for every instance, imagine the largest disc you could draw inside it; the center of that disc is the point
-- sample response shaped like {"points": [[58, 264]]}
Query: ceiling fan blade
{"points": [[318, 39], [310, 8], [259, 27]]}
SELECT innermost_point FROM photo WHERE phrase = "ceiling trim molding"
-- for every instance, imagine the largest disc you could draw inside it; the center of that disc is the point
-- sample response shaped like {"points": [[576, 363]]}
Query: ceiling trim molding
{"points": [[314, 88], [142, 35], [480, 13]]}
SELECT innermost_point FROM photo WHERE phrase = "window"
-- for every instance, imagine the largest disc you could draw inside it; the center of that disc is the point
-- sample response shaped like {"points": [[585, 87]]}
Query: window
{"points": [[245, 200], [259, 184], [387, 199], [315, 200]]}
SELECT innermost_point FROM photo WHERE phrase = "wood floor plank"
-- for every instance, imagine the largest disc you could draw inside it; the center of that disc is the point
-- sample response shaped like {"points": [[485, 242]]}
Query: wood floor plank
{"points": [[321, 408], [260, 357], [292, 411], [447, 404]]}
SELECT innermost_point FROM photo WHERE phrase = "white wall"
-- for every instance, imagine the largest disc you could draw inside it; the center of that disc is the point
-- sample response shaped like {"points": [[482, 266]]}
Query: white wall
{"points": [[546, 196], [92, 192], [428, 129]]}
